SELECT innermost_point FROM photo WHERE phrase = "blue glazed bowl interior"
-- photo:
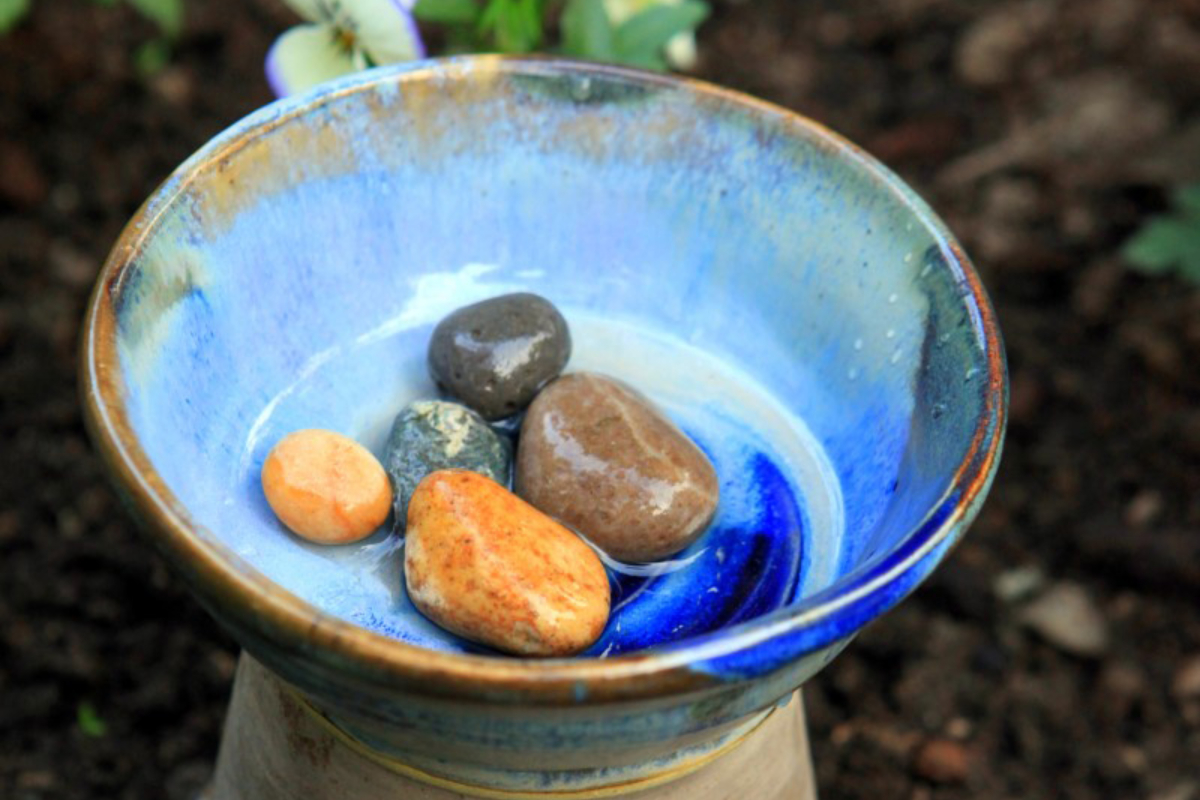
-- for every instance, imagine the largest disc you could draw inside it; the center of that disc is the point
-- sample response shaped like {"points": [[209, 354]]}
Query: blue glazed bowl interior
{"points": [[801, 314]]}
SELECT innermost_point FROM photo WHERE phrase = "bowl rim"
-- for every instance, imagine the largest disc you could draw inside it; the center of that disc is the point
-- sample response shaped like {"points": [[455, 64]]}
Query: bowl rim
{"points": [[253, 605]]}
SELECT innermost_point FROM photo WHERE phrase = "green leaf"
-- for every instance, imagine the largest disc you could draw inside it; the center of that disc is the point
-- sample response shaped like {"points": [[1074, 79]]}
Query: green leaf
{"points": [[89, 721], [1164, 243], [640, 39], [462, 40], [448, 12], [652, 61], [587, 31], [530, 13], [490, 19], [515, 25], [152, 57], [1170, 242], [1187, 199], [166, 14], [12, 12]]}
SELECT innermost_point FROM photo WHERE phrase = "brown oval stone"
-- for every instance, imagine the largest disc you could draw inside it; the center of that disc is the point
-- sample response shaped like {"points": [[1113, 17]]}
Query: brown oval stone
{"points": [[600, 457], [484, 564]]}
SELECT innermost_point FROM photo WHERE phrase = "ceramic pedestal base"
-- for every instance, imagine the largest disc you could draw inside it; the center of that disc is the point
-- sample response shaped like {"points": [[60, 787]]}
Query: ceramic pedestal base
{"points": [[276, 747]]}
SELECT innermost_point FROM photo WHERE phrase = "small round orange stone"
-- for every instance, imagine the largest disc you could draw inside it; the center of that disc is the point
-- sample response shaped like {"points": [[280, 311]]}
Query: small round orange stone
{"points": [[326, 487]]}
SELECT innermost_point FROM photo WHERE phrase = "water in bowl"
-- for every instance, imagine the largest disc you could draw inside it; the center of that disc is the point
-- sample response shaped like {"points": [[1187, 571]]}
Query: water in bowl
{"points": [[774, 540]]}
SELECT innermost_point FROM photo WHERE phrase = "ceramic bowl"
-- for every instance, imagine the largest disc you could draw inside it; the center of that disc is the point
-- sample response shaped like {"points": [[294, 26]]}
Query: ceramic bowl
{"points": [[289, 273]]}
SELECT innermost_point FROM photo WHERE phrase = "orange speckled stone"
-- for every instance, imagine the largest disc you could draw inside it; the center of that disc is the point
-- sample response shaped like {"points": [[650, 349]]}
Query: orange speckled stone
{"points": [[486, 565], [326, 487]]}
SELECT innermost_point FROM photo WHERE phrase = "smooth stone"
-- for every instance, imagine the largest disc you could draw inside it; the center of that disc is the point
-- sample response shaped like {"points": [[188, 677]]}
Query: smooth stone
{"points": [[942, 761], [484, 564], [496, 355], [428, 435], [1185, 685], [600, 457], [326, 487], [1067, 617]]}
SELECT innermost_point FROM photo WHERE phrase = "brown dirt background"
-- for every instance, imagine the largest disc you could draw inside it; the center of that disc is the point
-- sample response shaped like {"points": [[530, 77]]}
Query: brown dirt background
{"points": [[1044, 131]]}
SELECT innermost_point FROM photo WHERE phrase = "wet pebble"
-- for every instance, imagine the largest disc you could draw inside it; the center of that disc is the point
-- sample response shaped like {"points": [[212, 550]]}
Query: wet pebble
{"points": [[600, 457], [428, 435], [496, 355], [325, 487], [484, 564]]}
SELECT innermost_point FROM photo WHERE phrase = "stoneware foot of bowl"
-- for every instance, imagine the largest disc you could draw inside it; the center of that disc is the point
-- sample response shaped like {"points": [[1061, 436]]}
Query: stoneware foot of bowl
{"points": [[278, 746]]}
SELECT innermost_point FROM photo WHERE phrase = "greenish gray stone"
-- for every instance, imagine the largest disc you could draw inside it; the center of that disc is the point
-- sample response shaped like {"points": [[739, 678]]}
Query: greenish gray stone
{"points": [[429, 435], [494, 356]]}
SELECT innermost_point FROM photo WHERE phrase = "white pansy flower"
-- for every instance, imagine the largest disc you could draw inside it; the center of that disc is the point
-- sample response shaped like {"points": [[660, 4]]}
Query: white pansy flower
{"points": [[340, 37]]}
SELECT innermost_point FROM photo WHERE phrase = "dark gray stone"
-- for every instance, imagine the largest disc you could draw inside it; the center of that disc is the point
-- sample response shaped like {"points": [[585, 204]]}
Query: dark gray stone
{"points": [[429, 435], [494, 356]]}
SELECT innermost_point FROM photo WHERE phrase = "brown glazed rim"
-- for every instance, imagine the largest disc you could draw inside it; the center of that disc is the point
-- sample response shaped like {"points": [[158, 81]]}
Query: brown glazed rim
{"points": [[256, 608]]}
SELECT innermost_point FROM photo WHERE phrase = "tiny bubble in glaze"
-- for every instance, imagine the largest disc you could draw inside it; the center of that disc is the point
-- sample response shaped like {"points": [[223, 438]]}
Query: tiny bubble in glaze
{"points": [[484, 564], [495, 355], [325, 487]]}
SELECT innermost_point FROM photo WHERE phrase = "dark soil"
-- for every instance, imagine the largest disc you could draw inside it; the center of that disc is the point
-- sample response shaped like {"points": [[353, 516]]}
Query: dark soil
{"points": [[1043, 131]]}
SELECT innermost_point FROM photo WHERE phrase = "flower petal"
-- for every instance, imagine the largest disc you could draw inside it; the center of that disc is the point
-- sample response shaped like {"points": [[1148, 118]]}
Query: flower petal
{"points": [[312, 10], [681, 51], [305, 56], [384, 29], [621, 10]]}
